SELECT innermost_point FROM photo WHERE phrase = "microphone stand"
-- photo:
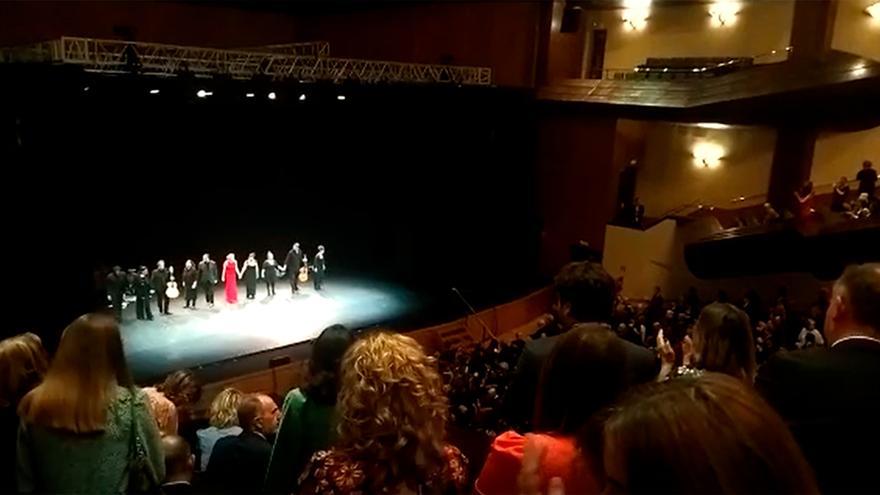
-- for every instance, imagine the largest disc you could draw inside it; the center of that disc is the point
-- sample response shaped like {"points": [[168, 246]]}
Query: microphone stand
{"points": [[474, 312]]}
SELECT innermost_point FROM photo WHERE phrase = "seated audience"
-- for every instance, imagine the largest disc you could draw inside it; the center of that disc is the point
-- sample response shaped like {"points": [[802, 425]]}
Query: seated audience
{"points": [[223, 421], [722, 342], [830, 395], [79, 424], [584, 373], [308, 415], [179, 465], [861, 208], [172, 400], [392, 425], [238, 463], [698, 434], [584, 294], [839, 195], [810, 336], [23, 363]]}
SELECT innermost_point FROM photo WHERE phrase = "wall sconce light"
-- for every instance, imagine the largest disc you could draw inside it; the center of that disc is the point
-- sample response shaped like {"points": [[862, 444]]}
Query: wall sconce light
{"points": [[723, 12], [707, 154], [873, 10], [636, 13]]}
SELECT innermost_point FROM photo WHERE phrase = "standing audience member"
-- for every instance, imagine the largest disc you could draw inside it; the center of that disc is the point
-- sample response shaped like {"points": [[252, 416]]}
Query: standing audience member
{"points": [[172, 401], [308, 416], [867, 178], [392, 425], [238, 464], [179, 466], [706, 434], [78, 426], [722, 342], [805, 196], [23, 364], [585, 373], [585, 293], [830, 395], [223, 423], [839, 195]]}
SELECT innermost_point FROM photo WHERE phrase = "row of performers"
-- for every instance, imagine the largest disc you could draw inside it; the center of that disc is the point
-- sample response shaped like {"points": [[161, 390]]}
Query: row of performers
{"points": [[140, 285]]}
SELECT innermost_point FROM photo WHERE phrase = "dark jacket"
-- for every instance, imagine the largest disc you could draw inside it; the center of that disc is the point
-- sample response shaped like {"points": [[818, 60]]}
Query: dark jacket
{"points": [[318, 264], [293, 262], [208, 272], [190, 276], [159, 279], [641, 366], [830, 398], [238, 464]]}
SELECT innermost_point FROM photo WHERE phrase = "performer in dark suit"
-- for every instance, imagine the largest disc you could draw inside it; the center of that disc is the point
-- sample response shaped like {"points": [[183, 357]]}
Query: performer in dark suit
{"points": [[116, 285], [830, 396], [270, 273], [585, 295], [292, 264], [319, 266], [159, 281], [208, 278], [142, 291], [238, 463], [190, 283]]}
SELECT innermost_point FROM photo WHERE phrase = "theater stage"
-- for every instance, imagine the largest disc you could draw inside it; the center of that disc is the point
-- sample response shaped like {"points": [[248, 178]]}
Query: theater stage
{"points": [[196, 338]]}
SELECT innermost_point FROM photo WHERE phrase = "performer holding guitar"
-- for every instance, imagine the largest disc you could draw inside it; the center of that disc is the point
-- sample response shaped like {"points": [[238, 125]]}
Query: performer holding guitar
{"points": [[292, 264], [159, 281]]}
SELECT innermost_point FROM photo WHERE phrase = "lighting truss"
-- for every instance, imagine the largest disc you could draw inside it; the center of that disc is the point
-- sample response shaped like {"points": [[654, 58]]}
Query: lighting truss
{"points": [[156, 59], [307, 49]]}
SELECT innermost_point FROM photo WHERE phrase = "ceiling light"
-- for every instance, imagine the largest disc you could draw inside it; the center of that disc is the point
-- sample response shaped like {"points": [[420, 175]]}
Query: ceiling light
{"points": [[635, 14], [271, 95], [154, 91], [723, 12], [873, 10], [202, 93], [249, 95], [341, 97], [712, 125], [302, 97], [707, 154]]}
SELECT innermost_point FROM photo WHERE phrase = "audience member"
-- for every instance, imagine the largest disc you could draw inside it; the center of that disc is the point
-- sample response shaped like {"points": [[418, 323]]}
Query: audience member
{"points": [[867, 178], [699, 434], [861, 208], [839, 195], [584, 373], [392, 425], [23, 364], [179, 465], [830, 395], [584, 294], [238, 463], [223, 423], [805, 196], [79, 424], [171, 402], [810, 336], [308, 417], [722, 342], [770, 214]]}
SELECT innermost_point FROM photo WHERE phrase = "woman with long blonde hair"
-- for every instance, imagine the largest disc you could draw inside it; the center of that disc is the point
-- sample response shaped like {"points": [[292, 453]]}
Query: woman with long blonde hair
{"points": [[79, 426], [392, 425]]}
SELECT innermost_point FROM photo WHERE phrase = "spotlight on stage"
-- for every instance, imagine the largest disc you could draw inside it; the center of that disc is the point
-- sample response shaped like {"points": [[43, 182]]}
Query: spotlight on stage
{"points": [[341, 97], [302, 97], [202, 93], [154, 91], [249, 95]]}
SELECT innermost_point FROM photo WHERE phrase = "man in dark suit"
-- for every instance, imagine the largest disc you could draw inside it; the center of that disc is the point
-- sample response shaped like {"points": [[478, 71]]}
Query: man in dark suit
{"points": [[116, 285], [238, 463], [208, 278], [319, 265], [292, 264], [159, 281], [830, 396], [585, 293], [179, 463]]}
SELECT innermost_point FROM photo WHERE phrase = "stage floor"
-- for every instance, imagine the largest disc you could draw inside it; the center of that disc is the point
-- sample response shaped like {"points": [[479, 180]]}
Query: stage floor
{"points": [[192, 338]]}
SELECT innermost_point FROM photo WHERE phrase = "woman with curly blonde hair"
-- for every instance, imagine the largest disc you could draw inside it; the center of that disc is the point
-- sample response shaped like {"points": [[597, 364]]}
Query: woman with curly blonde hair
{"points": [[223, 420], [392, 425]]}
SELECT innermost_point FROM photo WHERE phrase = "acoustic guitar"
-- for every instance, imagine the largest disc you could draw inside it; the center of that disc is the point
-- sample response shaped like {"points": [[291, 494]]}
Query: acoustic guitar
{"points": [[303, 273], [171, 290]]}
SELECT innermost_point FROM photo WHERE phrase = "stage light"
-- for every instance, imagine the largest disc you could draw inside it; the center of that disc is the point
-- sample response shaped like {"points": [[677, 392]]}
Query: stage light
{"points": [[202, 93], [154, 91], [341, 97], [723, 12], [249, 95], [302, 97], [707, 154], [271, 95], [873, 10], [636, 13], [86, 89], [712, 125]]}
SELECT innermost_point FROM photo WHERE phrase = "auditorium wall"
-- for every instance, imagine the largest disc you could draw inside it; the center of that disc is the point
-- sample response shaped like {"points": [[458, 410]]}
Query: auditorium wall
{"points": [[854, 31], [668, 176], [500, 35], [840, 154], [685, 30]]}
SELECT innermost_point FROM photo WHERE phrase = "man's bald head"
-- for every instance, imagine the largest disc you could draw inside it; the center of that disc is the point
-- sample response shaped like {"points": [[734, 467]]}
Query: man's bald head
{"points": [[855, 303], [258, 413], [178, 458]]}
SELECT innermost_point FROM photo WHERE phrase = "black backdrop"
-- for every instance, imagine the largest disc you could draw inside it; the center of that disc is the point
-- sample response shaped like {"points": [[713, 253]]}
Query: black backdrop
{"points": [[427, 186]]}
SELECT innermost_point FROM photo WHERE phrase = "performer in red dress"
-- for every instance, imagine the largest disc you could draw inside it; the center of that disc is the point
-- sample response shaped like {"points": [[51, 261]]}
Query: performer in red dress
{"points": [[230, 277]]}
